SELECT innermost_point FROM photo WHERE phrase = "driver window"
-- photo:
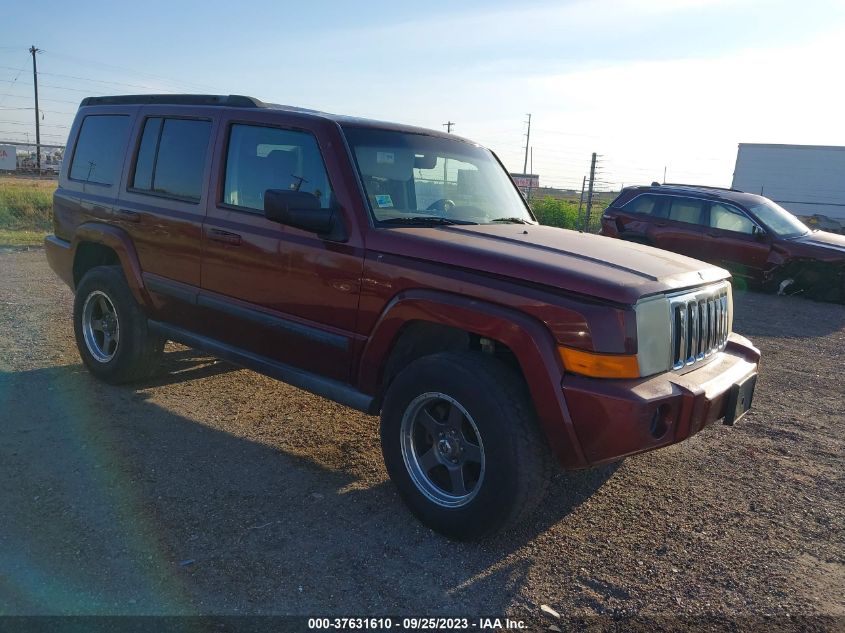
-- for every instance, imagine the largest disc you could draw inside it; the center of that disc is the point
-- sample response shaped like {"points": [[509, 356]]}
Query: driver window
{"points": [[261, 158], [729, 219]]}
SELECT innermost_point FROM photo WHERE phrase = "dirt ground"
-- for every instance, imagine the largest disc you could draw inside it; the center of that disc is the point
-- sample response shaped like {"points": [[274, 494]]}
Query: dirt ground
{"points": [[216, 490]]}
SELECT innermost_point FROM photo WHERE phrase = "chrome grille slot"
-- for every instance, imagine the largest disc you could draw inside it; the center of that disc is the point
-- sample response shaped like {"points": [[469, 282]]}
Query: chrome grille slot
{"points": [[699, 324]]}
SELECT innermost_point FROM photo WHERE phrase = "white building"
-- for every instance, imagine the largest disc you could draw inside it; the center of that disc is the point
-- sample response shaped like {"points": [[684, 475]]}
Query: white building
{"points": [[804, 179]]}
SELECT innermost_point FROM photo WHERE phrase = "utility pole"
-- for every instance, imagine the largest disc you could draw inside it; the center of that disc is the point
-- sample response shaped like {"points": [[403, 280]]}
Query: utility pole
{"points": [[590, 192], [531, 179], [581, 200], [664, 174], [448, 125], [34, 50], [527, 139]]}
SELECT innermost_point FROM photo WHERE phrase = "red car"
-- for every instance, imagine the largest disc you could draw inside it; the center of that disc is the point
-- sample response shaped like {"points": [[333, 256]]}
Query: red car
{"points": [[397, 271], [761, 243]]}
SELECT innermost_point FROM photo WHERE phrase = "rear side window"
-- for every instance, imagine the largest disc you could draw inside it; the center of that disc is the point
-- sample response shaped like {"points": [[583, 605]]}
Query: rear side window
{"points": [[171, 157], [262, 158], [686, 210], [643, 204], [98, 157]]}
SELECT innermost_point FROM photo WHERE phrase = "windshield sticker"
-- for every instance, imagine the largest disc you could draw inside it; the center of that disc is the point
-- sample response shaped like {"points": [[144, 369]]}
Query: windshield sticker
{"points": [[385, 158], [384, 201]]}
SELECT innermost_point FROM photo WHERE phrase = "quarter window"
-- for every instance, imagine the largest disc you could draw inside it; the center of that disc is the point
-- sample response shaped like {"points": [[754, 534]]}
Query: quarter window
{"points": [[171, 157], [686, 210], [729, 219], [262, 158], [98, 157], [643, 204]]}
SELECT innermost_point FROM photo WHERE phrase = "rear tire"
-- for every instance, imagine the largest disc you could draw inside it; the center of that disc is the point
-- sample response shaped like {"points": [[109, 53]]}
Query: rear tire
{"points": [[111, 329], [461, 443]]}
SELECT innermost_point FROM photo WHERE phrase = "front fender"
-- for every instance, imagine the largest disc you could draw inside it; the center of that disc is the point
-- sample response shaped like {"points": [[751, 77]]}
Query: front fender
{"points": [[121, 243], [530, 341]]}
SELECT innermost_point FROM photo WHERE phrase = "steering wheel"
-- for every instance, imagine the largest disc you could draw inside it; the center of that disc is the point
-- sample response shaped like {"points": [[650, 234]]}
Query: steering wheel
{"points": [[444, 205]]}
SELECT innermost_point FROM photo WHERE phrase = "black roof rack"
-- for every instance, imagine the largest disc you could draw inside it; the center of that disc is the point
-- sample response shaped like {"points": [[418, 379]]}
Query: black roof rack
{"points": [[232, 101], [680, 184]]}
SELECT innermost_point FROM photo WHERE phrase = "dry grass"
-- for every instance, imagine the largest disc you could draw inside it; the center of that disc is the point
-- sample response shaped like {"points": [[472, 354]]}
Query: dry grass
{"points": [[25, 207]]}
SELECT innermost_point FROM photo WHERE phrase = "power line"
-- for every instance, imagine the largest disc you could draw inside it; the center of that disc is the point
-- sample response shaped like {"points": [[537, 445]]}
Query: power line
{"points": [[12, 82], [89, 62], [14, 96], [9, 122]]}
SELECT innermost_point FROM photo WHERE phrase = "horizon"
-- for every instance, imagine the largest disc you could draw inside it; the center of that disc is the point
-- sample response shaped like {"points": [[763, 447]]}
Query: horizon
{"points": [[647, 85]]}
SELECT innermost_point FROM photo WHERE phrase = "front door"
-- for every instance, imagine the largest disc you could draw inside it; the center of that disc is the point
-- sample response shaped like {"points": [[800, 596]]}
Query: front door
{"points": [[276, 291], [734, 243]]}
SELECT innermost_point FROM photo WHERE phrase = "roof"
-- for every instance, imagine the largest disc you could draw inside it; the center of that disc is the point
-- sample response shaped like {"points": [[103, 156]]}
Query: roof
{"points": [[704, 191], [241, 101], [786, 146]]}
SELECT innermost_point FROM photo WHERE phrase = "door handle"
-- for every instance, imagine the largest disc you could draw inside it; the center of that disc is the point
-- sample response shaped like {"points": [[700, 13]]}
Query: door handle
{"points": [[129, 216], [659, 224], [224, 237]]}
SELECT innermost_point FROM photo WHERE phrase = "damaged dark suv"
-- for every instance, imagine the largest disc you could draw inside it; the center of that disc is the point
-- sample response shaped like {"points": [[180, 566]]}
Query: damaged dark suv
{"points": [[761, 243]]}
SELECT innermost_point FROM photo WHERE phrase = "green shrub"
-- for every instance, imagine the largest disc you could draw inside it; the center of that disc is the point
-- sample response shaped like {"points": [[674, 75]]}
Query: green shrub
{"points": [[556, 212], [564, 213]]}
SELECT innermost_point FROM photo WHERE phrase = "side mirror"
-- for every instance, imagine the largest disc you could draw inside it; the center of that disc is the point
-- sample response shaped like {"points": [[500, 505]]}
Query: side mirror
{"points": [[301, 210]]}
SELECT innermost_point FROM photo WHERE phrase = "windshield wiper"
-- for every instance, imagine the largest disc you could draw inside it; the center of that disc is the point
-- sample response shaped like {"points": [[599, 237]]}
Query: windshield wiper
{"points": [[425, 219], [513, 220]]}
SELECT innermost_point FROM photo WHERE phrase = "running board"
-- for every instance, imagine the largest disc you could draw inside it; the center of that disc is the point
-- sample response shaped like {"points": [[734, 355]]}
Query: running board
{"points": [[327, 388]]}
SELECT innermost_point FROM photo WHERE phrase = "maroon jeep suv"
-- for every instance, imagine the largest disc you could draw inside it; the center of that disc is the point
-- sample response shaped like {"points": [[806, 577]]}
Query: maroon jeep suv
{"points": [[397, 271], [760, 242]]}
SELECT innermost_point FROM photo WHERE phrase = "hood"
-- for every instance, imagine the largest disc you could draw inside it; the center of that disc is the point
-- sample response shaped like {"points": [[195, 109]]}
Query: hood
{"points": [[823, 240], [592, 265]]}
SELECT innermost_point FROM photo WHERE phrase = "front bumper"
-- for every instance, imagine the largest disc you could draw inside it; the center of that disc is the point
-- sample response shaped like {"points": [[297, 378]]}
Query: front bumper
{"points": [[615, 418]]}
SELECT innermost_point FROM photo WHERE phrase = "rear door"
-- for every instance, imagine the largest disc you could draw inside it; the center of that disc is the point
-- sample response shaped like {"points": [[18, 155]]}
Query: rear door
{"points": [[681, 228], [279, 292], [163, 201], [734, 243], [635, 220]]}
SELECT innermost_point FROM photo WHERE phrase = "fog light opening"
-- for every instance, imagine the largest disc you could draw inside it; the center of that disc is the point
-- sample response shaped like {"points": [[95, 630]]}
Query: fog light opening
{"points": [[660, 422]]}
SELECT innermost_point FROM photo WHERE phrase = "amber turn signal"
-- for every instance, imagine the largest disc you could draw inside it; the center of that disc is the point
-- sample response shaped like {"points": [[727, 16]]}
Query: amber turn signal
{"points": [[599, 365]]}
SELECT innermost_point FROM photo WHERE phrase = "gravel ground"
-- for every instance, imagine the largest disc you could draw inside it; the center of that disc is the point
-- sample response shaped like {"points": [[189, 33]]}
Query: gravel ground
{"points": [[216, 490]]}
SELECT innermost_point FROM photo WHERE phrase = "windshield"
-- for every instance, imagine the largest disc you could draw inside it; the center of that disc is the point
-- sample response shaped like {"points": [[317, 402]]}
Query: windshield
{"points": [[419, 179], [778, 220]]}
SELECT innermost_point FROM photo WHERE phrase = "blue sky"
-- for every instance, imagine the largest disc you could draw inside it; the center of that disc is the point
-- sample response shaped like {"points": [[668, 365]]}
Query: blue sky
{"points": [[646, 83]]}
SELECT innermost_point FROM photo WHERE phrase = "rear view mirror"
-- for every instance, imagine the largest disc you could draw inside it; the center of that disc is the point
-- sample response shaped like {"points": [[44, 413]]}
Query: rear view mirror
{"points": [[302, 210], [425, 161], [758, 233]]}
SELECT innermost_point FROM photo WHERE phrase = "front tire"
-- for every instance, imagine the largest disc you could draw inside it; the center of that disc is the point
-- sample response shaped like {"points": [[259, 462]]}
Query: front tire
{"points": [[111, 329], [461, 443]]}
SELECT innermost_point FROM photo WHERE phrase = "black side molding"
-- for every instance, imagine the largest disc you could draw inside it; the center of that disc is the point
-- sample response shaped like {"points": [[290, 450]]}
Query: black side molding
{"points": [[179, 291], [277, 323], [341, 393], [193, 296]]}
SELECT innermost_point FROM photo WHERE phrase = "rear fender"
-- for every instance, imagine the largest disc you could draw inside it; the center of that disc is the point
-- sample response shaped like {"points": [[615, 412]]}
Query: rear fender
{"points": [[529, 340], [119, 241]]}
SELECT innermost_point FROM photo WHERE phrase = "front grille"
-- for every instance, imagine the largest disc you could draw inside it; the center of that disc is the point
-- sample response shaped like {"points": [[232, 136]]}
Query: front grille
{"points": [[700, 324]]}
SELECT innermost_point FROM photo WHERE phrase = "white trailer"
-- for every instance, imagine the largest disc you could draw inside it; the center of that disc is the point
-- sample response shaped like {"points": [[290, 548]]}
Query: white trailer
{"points": [[804, 179], [8, 158]]}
